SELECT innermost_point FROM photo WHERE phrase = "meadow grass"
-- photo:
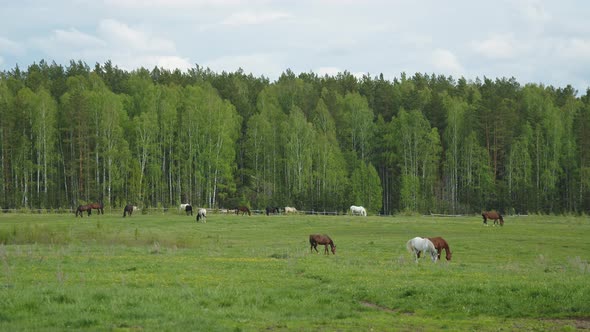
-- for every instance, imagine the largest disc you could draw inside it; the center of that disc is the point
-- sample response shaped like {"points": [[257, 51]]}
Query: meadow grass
{"points": [[164, 272]]}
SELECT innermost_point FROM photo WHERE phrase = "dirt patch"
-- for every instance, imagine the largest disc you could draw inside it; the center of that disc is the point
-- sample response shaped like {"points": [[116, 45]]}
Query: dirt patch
{"points": [[382, 308], [580, 323]]}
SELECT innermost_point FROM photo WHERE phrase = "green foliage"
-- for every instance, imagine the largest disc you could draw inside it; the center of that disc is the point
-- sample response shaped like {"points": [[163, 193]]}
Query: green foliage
{"points": [[158, 138]]}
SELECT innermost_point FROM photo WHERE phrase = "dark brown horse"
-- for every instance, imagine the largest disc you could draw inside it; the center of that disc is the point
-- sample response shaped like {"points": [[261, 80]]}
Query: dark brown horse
{"points": [[440, 244], [188, 209], [82, 208], [244, 210], [128, 210], [271, 209], [97, 206], [493, 215], [315, 239]]}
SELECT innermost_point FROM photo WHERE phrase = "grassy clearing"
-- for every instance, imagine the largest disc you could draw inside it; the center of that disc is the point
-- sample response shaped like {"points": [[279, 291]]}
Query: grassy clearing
{"points": [[165, 272]]}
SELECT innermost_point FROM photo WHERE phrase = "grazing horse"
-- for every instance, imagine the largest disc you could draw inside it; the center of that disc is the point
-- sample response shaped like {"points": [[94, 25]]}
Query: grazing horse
{"points": [[128, 210], [440, 244], [97, 206], [418, 244], [358, 210], [202, 214], [182, 207], [273, 210], [315, 239], [495, 216], [289, 209], [244, 210], [82, 208], [188, 209]]}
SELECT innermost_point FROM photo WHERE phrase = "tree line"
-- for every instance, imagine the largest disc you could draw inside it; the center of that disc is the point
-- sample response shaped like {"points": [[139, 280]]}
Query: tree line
{"points": [[156, 138]]}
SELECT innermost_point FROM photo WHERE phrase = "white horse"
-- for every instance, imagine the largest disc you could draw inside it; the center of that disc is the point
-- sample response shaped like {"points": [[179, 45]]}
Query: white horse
{"points": [[290, 210], [202, 214], [358, 210], [419, 244]]}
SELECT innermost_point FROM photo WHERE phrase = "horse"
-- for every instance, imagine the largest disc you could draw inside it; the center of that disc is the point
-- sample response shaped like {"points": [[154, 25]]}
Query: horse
{"points": [[273, 210], [82, 208], [418, 244], [202, 214], [440, 244], [188, 209], [495, 216], [244, 210], [128, 210], [315, 239], [290, 210], [358, 210], [97, 206]]}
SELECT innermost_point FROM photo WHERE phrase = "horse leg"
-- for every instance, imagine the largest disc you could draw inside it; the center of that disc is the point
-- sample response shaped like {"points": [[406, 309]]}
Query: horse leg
{"points": [[315, 246]]}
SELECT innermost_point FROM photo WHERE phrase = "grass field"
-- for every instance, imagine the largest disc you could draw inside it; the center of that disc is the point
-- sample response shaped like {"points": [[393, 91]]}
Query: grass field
{"points": [[255, 273]]}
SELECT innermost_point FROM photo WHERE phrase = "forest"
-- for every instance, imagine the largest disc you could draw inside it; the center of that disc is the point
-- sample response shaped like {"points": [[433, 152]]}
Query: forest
{"points": [[423, 144]]}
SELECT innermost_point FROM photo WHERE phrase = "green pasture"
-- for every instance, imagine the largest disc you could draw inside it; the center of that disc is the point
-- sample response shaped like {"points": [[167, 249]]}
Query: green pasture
{"points": [[164, 272]]}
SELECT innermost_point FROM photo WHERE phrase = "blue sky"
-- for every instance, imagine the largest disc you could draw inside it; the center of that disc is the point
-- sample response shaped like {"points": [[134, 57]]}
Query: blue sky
{"points": [[535, 41]]}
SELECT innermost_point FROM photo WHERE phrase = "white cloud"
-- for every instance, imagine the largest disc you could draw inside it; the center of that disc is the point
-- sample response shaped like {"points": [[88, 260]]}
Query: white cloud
{"points": [[534, 11], [167, 4], [173, 62], [7, 46], [576, 48], [266, 64], [497, 46], [330, 71], [68, 44], [446, 62], [252, 18], [121, 35]]}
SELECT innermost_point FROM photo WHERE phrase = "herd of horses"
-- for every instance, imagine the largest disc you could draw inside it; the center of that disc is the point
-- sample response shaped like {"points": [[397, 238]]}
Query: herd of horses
{"points": [[416, 246], [88, 209]]}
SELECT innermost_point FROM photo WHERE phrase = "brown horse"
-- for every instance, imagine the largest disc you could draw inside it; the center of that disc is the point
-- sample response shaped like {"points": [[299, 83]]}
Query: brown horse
{"points": [[97, 206], [244, 210], [82, 208], [315, 239], [495, 216], [128, 210], [440, 244]]}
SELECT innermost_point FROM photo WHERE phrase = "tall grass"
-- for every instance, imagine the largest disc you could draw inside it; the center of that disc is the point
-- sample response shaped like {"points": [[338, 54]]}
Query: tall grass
{"points": [[167, 272]]}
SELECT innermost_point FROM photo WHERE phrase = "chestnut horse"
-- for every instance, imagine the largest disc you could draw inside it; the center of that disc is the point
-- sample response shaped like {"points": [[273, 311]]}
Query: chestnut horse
{"points": [[315, 239], [97, 206], [440, 244], [82, 208], [495, 216], [128, 210], [243, 209]]}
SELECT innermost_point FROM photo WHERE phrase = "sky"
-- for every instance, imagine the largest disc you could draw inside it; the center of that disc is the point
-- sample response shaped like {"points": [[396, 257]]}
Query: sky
{"points": [[534, 41]]}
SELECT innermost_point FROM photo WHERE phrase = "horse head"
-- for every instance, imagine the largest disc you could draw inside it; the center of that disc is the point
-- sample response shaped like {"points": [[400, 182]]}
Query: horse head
{"points": [[434, 255]]}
